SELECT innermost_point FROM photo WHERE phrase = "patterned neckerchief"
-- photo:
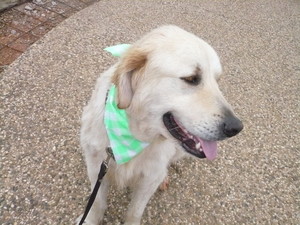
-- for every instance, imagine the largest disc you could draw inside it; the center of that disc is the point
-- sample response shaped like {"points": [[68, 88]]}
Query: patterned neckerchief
{"points": [[124, 145]]}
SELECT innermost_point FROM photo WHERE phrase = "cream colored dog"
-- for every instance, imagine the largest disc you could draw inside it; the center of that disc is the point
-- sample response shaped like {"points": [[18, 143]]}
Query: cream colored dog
{"points": [[167, 83]]}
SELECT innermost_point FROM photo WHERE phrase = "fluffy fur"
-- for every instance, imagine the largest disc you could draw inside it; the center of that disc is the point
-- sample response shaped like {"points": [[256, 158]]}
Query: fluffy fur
{"points": [[149, 80]]}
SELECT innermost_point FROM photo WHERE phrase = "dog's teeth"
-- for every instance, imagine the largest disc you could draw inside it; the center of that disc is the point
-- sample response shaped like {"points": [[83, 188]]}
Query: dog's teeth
{"points": [[201, 149], [198, 146]]}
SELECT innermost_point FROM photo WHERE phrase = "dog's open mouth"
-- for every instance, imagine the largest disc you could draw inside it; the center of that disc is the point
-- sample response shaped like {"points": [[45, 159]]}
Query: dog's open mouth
{"points": [[191, 143]]}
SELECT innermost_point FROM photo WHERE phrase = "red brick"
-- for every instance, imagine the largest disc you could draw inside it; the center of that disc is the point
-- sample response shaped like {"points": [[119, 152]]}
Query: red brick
{"points": [[9, 34], [54, 21], [74, 4], [5, 18], [57, 7], [22, 21], [22, 43], [70, 13], [36, 11], [42, 29], [8, 55], [89, 1]]}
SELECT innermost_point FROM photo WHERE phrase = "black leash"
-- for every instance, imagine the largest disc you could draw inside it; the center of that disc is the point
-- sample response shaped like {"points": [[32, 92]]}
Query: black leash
{"points": [[103, 170]]}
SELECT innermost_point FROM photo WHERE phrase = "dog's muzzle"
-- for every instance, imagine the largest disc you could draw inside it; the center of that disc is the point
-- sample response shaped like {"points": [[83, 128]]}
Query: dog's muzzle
{"points": [[191, 143]]}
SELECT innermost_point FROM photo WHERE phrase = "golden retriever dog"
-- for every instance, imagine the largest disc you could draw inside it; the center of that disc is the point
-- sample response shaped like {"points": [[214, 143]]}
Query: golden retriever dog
{"points": [[167, 84]]}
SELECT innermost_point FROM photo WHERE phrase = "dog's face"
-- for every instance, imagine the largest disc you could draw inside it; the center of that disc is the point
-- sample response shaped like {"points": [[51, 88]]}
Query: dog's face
{"points": [[167, 82]]}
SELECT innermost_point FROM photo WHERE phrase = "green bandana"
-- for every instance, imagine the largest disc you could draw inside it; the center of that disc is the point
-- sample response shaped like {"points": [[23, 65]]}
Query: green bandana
{"points": [[117, 50], [124, 145]]}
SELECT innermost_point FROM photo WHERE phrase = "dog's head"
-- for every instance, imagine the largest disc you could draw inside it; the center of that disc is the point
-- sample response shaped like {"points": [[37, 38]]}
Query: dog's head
{"points": [[167, 82]]}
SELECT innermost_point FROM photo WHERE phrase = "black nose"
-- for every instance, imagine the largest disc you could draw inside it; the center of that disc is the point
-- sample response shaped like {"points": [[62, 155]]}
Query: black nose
{"points": [[232, 126]]}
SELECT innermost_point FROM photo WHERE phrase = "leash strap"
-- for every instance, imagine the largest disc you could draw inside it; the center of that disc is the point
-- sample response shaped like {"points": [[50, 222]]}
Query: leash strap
{"points": [[103, 170]]}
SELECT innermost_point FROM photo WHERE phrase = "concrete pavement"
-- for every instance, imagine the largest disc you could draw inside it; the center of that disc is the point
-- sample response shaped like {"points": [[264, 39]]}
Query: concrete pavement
{"points": [[255, 179]]}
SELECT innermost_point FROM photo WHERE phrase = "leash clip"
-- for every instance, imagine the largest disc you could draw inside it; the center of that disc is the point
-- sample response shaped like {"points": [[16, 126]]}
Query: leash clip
{"points": [[104, 165], [110, 154]]}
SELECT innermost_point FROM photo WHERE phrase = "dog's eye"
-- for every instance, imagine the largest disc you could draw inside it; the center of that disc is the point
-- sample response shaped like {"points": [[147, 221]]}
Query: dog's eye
{"points": [[192, 80]]}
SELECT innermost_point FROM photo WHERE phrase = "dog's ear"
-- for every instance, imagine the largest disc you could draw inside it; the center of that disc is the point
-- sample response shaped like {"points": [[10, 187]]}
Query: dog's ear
{"points": [[133, 60]]}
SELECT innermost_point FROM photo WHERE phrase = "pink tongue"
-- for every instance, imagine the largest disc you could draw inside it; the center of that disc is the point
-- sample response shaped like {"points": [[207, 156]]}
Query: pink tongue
{"points": [[209, 148]]}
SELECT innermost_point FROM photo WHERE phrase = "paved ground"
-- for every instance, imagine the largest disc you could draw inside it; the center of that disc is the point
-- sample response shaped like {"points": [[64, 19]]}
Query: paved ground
{"points": [[255, 179], [24, 24]]}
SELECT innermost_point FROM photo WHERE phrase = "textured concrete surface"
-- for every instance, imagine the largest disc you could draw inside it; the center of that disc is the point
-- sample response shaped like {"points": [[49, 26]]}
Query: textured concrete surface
{"points": [[255, 179]]}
